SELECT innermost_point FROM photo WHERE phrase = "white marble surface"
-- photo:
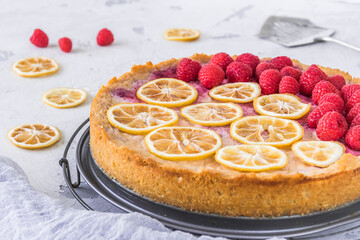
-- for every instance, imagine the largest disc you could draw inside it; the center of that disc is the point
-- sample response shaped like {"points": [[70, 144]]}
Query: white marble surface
{"points": [[138, 25]]}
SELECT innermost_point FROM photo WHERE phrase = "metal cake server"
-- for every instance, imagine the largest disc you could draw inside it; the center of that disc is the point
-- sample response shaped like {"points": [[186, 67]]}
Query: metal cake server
{"points": [[292, 32]]}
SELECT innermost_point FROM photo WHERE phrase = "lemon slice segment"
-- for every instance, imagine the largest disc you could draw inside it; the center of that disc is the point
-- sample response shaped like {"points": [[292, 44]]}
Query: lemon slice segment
{"points": [[212, 114], [252, 158], [281, 105], [35, 66], [183, 143], [140, 118], [64, 97], [265, 130], [318, 153], [167, 92], [181, 34], [33, 136], [240, 92]]}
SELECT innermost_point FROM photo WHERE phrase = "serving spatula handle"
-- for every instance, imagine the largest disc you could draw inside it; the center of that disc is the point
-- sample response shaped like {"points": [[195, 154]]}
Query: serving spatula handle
{"points": [[330, 39]]}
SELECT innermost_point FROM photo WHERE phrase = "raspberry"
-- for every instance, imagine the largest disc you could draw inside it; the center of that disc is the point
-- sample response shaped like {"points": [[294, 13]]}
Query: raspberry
{"points": [[104, 37], [222, 60], [314, 66], [187, 69], [238, 72], [320, 111], [353, 113], [355, 121], [348, 90], [249, 59], [338, 81], [352, 138], [309, 79], [262, 67], [39, 38], [334, 99], [65, 44], [354, 99], [281, 61], [331, 127], [269, 81], [320, 89], [292, 72], [289, 85], [211, 75]]}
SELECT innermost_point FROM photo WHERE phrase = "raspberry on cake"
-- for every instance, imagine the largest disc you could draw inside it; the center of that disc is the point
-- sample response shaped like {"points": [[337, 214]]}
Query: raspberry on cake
{"points": [[309, 79], [338, 81], [319, 112], [262, 67], [348, 90], [188, 70], [291, 72], [334, 99], [354, 99], [320, 89], [355, 121], [353, 113], [238, 72], [331, 127], [289, 85], [281, 62], [211, 75], [269, 81], [222, 60], [249, 59], [352, 138]]}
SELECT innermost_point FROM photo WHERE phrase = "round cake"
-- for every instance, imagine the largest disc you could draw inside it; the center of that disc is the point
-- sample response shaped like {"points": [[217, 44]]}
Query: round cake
{"points": [[206, 185]]}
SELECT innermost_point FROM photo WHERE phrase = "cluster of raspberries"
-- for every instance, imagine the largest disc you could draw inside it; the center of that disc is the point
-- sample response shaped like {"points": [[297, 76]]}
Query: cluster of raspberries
{"points": [[40, 39], [338, 103]]}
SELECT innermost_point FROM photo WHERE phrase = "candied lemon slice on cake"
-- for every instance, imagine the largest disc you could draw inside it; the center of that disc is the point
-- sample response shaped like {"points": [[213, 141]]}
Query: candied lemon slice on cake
{"points": [[140, 118], [64, 97], [34, 136], [167, 92], [181, 34], [281, 105], [212, 114], [252, 158], [240, 92], [183, 143], [265, 130], [35, 66], [318, 153]]}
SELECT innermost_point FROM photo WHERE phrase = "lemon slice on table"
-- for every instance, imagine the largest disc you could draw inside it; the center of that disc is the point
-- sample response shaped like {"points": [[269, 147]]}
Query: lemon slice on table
{"points": [[265, 130], [281, 105], [240, 92], [183, 143], [64, 97], [318, 153], [35, 66], [251, 158], [167, 92], [212, 114], [181, 34], [140, 118], [33, 136]]}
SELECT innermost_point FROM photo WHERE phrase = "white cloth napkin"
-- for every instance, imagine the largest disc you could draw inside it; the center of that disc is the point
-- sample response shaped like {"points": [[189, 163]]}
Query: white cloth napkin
{"points": [[28, 214]]}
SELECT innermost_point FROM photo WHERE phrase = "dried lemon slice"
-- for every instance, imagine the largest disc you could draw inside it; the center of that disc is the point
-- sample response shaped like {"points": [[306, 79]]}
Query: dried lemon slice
{"points": [[240, 92], [281, 105], [167, 92], [34, 136], [183, 143], [140, 118], [318, 153], [35, 66], [212, 114], [181, 34], [265, 130], [252, 158], [64, 97]]}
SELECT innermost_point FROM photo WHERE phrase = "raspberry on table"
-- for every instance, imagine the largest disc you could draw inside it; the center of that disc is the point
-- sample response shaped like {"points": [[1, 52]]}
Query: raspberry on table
{"points": [[353, 113], [105, 37], [289, 85], [65, 44], [291, 72], [309, 79], [355, 121], [319, 112], [269, 81], [238, 72], [338, 81], [262, 67], [39, 38], [188, 70], [222, 60], [211, 75], [352, 138], [320, 89], [348, 90], [281, 62], [354, 99], [334, 99], [331, 127], [249, 59]]}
